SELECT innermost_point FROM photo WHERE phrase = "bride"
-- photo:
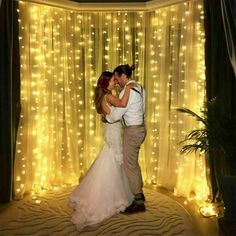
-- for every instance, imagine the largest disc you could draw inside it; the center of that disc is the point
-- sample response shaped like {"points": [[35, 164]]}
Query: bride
{"points": [[104, 190]]}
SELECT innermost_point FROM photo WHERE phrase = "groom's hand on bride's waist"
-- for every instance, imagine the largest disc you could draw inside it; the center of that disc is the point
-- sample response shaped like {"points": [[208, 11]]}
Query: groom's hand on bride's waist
{"points": [[104, 118]]}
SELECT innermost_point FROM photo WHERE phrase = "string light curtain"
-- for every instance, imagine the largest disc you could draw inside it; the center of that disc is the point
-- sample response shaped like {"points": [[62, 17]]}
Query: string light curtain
{"points": [[62, 55], [176, 78]]}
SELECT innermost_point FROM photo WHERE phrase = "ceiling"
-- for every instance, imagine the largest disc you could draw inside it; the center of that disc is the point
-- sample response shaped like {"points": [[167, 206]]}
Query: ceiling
{"points": [[108, 1], [108, 5]]}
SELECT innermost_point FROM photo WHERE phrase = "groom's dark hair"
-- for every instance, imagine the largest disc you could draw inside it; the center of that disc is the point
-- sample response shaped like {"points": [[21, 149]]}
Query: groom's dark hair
{"points": [[124, 69]]}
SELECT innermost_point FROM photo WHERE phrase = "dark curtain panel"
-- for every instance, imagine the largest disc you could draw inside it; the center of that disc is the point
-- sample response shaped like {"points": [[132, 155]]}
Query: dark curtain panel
{"points": [[220, 80], [9, 94], [228, 9]]}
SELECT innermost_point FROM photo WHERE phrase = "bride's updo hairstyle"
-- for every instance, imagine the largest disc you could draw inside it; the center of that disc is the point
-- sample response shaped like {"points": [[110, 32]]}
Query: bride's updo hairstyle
{"points": [[101, 89], [124, 69]]}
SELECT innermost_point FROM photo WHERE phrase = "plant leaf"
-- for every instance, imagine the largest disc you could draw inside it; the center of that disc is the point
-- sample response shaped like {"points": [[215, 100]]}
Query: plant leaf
{"points": [[193, 114]]}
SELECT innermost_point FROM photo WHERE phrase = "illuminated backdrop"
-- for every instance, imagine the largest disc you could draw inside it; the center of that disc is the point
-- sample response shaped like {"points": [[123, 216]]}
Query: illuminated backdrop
{"points": [[63, 53]]}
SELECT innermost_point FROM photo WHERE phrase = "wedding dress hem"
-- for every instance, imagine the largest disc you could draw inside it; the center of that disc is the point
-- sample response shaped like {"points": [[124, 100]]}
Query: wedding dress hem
{"points": [[85, 220]]}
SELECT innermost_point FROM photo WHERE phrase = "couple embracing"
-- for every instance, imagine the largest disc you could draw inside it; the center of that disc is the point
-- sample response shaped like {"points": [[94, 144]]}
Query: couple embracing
{"points": [[114, 183]]}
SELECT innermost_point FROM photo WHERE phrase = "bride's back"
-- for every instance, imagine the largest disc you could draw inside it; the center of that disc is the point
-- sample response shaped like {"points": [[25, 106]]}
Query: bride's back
{"points": [[105, 106]]}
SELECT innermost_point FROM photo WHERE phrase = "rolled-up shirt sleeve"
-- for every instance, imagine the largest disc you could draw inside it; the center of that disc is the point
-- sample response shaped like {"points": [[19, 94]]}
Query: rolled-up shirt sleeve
{"points": [[116, 114]]}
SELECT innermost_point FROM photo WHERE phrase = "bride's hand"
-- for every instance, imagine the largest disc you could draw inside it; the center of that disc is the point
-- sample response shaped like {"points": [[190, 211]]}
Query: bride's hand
{"points": [[130, 85], [103, 118]]}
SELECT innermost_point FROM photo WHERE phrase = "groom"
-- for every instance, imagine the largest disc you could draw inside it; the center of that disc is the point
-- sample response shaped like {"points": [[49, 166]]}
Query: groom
{"points": [[134, 133]]}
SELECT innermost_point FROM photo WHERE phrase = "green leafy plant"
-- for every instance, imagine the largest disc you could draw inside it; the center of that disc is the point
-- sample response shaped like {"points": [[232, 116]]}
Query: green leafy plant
{"points": [[216, 135]]}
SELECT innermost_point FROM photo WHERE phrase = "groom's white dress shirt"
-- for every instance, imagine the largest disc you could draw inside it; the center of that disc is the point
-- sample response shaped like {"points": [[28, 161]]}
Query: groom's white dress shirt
{"points": [[133, 113]]}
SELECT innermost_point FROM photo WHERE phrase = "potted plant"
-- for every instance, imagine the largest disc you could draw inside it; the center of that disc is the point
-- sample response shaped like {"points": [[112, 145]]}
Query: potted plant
{"points": [[216, 139]]}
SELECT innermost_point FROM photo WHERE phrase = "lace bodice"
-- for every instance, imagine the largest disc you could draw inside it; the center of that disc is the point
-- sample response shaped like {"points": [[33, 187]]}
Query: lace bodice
{"points": [[112, 137]]}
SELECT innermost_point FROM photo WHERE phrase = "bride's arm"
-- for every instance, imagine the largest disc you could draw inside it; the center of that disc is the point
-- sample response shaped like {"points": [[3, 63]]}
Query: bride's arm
{"points": [[115, 101]]}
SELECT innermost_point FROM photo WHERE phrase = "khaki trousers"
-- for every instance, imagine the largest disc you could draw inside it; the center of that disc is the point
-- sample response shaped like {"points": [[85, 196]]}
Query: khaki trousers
{"points": [[133, 138]]}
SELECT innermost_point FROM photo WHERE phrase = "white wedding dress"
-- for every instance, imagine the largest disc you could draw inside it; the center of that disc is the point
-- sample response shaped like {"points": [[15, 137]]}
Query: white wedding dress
{"points": [[104, 190]]}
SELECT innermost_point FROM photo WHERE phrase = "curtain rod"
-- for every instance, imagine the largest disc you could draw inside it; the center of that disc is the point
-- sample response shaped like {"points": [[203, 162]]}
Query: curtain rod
{"points": [[101, 7]]}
